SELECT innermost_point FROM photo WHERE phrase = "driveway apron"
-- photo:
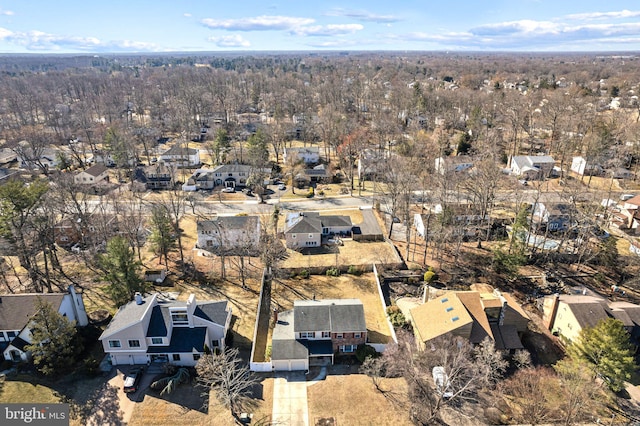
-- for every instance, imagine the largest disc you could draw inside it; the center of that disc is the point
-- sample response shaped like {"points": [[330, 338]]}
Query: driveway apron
{"points": [[290, 400]]}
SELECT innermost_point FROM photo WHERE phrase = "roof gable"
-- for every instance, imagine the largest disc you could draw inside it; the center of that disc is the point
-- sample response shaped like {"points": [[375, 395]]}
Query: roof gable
{"points": [[17, 309]]}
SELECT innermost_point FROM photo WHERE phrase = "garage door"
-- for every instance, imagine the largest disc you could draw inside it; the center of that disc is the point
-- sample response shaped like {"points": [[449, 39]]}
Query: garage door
{"points": [[140, 359], [280, 365], [298, 365]]}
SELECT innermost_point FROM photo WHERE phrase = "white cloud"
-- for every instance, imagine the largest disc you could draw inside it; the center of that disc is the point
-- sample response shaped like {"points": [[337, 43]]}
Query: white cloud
{"points": [[230, 41], [41, 41], [258, 23], [6, 12], [327, 30], [187, 15], [362, 15], [604, 15]]}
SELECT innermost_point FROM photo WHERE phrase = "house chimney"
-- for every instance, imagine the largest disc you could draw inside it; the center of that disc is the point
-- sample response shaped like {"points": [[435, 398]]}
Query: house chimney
{"points": [[138, 298]]}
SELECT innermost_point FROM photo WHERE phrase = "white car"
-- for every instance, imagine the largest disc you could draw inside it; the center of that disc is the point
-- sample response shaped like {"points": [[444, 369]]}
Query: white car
{"points": [[282, 187], [228, 189], [443, 386]]}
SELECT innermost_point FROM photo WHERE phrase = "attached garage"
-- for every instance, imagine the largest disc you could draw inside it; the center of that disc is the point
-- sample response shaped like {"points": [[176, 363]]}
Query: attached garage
{"points": [[289, 355], [290, 365]]}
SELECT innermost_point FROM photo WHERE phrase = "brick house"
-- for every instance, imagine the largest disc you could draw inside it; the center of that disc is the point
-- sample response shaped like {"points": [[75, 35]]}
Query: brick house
{"points": [[316, 330]]}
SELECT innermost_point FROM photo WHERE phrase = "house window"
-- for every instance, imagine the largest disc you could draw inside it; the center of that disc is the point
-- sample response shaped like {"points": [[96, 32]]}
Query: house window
{"points": [[196, 357], [134, 343], [64, 238], [310, 235], [11, 334], [156, 340], [326, 334], [114, 344], [308, 335], [357, 335], [215, 344], [294, 236], [339, 336], [176, 357], [347, 348], [179, 318]]}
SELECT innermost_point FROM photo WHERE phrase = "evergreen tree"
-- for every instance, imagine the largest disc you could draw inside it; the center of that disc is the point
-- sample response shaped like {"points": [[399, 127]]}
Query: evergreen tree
{"points": [[163, 238], [121, 270], [54, 346], [607, 348]]}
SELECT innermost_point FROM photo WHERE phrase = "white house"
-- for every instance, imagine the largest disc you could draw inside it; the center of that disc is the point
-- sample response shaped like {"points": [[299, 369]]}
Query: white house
{"points": [[308, 155], [28, 159], [582, 167], [17, 311], [149, 329], [181, 155], [94, 174], [532, 166], [229, 234], [230, 175]]}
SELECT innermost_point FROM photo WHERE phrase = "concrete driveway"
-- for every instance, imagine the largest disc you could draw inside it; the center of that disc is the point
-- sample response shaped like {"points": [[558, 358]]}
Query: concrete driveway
{"points": [[290, 400], [113, 397]]}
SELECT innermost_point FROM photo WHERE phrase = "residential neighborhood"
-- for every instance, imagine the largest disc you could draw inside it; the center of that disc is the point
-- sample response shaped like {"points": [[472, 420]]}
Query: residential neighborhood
{"points": [[322, 240]]}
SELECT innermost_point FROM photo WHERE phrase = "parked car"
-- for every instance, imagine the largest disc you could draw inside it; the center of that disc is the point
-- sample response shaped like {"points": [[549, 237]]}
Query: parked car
{"points": [[132, 380], [228, 189], [282, 187], [443, 386]]}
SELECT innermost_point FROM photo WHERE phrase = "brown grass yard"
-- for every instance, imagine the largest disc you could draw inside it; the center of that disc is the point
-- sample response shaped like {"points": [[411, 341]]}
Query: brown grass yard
{"points": [[351, 253], [182, 408], [344, 287], [351, 399]]}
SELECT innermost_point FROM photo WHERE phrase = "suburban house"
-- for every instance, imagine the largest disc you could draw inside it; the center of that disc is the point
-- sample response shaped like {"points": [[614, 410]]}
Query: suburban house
{"points": [[150, 329], [107, 159], [582, 167], [182, 156], [567, 314], [314, 330], [555, 217], [17, 310], [306, 229], [473, 315], [532, 166], [372, 164], [308, 155], [159, 176], [319, 173], [229, 175], [92, 175], [455, 164], [229, 235], [29, 159], [93, 231]]}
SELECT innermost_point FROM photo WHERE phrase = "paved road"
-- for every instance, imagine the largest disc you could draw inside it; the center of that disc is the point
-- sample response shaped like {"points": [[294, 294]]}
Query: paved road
{"points": [[290, 400]]}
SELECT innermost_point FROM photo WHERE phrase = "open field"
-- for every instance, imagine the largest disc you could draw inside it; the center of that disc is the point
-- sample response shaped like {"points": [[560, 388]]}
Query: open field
{"points": [[363, 287]]}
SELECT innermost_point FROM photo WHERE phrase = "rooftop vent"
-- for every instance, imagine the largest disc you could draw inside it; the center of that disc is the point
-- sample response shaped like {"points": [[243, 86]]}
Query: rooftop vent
{"points": [[138, 298]]}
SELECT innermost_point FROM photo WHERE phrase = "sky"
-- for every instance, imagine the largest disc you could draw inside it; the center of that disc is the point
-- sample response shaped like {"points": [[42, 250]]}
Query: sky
{"points": [[119, 26]]}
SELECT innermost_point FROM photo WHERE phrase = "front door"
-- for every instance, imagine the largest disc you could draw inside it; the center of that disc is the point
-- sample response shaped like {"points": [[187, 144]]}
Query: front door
{"points": [[160, 358]]}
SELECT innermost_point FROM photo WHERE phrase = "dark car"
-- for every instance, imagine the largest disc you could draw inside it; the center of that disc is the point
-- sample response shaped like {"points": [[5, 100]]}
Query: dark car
{"points": [[132, 380]]}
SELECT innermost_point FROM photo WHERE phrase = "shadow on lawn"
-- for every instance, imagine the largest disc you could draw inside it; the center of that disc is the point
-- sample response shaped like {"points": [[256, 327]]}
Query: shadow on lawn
{"points": [[189, 396]]}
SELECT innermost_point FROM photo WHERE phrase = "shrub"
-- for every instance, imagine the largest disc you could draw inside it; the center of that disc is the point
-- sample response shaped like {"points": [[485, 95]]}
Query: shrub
{"points": [[429, 277], [91, 366], [353, 270], [321, 193], [333, 272], [310, 194], [304, 273], [365, 351], [267, 353], [398, 320]]}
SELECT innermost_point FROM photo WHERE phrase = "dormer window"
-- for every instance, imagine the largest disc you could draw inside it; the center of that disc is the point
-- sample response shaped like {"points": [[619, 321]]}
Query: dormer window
{"points": [[179, 317]]}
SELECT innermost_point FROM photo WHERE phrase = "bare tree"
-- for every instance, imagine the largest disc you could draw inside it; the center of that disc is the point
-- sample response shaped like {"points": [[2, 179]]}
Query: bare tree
{"points": [[228, 376]]}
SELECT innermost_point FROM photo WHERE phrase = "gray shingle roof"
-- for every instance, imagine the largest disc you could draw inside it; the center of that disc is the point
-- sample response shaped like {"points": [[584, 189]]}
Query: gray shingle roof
{"points": [[127, 315], [215, 312], [17, 309], [248, 223], [180, 150], [335, 315], [288, 349], [96, 170]]}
